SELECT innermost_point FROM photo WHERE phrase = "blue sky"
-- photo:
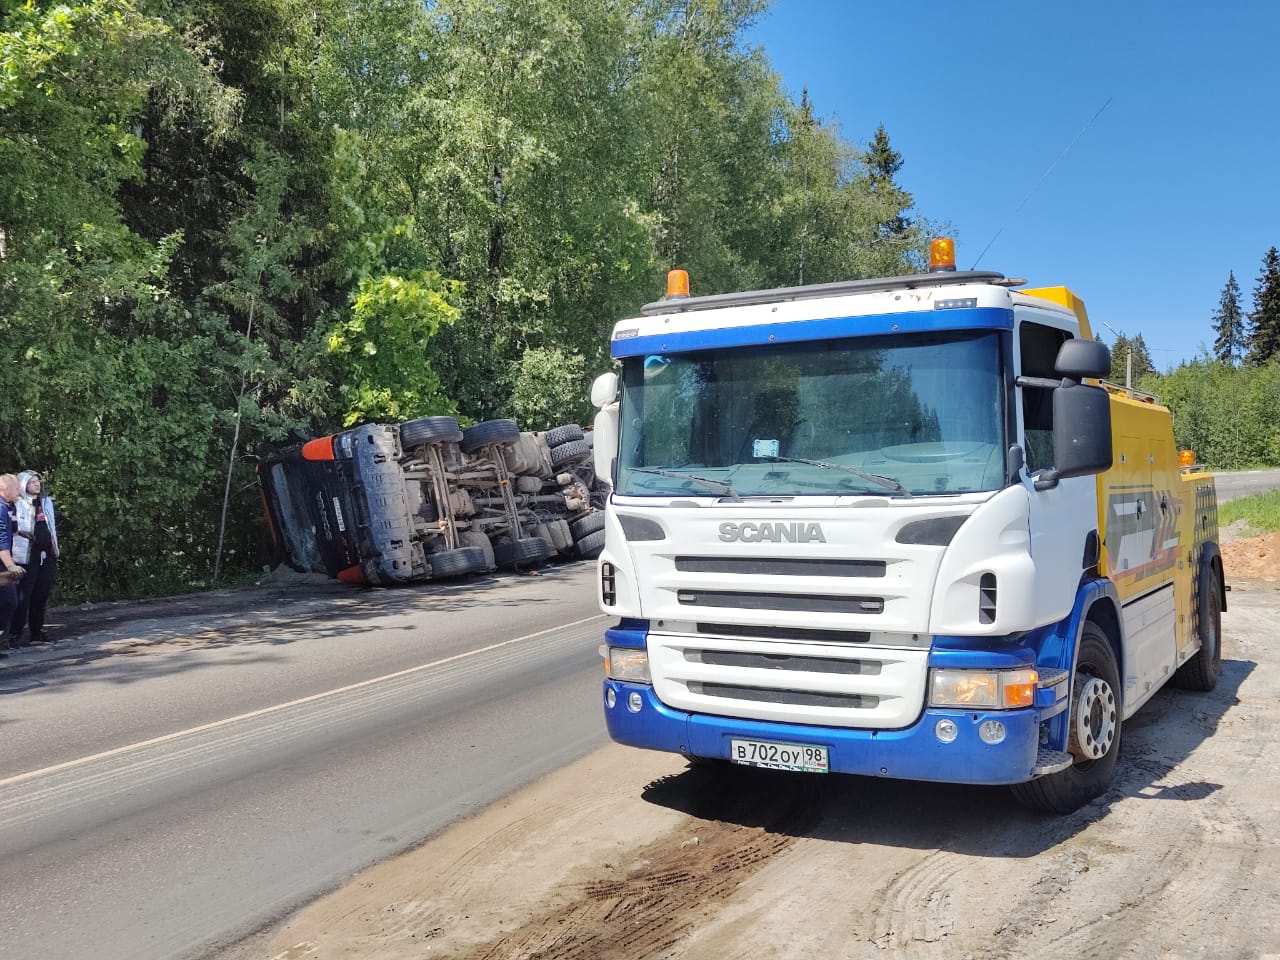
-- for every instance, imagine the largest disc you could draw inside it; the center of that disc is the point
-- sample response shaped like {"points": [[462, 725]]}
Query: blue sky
{"points": [[1171, 187]]}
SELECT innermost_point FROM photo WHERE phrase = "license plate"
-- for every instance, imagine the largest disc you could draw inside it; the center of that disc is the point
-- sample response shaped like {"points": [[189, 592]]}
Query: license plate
{"points": [[802, 757]]}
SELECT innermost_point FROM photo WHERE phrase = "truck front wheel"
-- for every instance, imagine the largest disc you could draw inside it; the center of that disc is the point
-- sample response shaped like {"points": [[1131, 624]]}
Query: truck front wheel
{"points": [[1095, 717]]}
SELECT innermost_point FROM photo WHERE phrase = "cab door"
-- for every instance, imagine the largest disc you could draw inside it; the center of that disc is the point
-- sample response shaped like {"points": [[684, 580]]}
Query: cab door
{"points": [[1063, 516]]}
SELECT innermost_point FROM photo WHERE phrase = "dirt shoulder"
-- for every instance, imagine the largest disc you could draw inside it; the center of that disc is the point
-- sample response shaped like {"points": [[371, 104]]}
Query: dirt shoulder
{"points": [[630, 854], [1252, 558]]}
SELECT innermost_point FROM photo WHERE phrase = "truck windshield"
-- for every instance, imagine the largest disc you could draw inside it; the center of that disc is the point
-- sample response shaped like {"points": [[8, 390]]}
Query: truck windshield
{"points": [[905, 415]]}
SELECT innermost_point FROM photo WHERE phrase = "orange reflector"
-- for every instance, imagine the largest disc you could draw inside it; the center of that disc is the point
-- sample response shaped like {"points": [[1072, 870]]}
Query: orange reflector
{"points": [[677, 283], [1186, 458], [942, 254]]}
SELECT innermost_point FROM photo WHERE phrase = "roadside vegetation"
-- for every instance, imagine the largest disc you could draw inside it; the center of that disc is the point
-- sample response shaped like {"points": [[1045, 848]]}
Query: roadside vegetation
{"points": [[223, 224], [1227, 414], [228, 224], [1260, 511]]}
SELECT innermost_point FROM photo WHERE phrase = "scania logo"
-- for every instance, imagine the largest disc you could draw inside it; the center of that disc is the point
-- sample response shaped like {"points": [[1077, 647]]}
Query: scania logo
{"points": [[773, 532]]}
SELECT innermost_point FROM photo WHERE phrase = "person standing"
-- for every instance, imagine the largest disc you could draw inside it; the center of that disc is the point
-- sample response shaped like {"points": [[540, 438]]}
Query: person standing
{"points": [[35, 548], [12, 572]]}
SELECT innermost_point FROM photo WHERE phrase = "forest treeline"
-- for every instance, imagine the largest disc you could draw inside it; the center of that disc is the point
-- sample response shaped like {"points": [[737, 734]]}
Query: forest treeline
{"points": [[1225, 402], [225, 220], [228, 222]]}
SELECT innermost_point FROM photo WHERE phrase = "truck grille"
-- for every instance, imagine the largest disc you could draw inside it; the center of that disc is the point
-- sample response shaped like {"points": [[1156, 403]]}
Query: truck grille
{"points": [[803, 602], [830, 683], [781, 567], [775, 661], [783, 633], [800, 698]]}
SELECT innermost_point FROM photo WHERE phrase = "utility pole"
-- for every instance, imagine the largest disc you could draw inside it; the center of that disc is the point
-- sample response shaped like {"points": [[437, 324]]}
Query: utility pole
{"points": [[1128, 357]]}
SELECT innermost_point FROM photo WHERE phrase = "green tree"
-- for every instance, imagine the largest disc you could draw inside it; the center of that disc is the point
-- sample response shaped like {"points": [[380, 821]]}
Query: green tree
{"points": [[1264, 319], [883, 164], [383, 347], [223, 223], [549, 389], [1225, 413], [1228, 323], [1142, 365]]}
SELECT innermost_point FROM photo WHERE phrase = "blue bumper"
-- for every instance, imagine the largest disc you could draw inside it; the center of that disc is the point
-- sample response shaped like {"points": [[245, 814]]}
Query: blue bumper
{"points": [[914, 753]]}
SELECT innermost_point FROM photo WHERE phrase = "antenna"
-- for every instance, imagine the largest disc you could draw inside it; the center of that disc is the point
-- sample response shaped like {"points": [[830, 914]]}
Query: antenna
{"points": [[1044, 176]]}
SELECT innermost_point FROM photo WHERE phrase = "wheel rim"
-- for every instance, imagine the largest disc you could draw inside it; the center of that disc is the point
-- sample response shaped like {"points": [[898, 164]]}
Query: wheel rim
{"points": [[1094, 720]]}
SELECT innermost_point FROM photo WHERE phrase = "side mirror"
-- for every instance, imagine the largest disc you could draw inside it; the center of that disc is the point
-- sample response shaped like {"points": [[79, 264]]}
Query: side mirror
{"points": [[605, 390], [605, 449], [1081, 430], [1078, 359]]}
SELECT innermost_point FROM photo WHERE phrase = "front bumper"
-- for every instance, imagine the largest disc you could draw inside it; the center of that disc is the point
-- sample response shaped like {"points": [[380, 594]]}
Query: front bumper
{"points": [[913, 753]]}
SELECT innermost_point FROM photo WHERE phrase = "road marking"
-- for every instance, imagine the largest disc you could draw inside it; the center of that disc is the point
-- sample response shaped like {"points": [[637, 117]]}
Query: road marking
{"points": [[265, 711]]}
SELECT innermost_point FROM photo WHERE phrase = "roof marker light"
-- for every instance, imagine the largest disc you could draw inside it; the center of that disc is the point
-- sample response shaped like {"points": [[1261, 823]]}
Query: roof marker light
{"points": [[677, 284], [942, 255]]}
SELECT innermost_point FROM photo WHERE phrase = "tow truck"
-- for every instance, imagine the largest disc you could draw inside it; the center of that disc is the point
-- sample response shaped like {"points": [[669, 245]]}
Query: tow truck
{"points": [[895, 527]]}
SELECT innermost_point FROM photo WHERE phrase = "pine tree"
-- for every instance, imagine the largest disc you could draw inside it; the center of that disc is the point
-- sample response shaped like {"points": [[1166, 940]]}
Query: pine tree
{"points": [[883, 163], [1228, 322], [1119, 351], [1142, 365], [1264, 330]]}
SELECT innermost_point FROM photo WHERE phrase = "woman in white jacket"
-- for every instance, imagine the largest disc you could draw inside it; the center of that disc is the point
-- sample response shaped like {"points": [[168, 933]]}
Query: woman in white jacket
{"points": [[35, 547]]}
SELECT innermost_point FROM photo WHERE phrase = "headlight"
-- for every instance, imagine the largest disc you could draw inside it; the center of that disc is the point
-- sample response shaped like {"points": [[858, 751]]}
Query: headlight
{"points": [[626, 663], [993, 689]]}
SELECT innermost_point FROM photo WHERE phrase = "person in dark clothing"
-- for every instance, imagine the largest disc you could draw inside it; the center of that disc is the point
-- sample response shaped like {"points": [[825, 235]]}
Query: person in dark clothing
{"points": [[35, 548], [12, 572]]}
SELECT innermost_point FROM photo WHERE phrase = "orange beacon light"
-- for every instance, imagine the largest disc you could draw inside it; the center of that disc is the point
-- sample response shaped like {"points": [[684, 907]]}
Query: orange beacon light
{"points": [[677, 284], [942, 255]]}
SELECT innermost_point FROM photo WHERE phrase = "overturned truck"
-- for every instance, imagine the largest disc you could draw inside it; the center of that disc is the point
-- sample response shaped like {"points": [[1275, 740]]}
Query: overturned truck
{"points": [[385, 504]]}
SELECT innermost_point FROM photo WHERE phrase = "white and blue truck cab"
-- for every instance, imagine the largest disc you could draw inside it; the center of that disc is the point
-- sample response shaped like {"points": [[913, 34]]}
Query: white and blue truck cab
{"points": [[895, 527]]}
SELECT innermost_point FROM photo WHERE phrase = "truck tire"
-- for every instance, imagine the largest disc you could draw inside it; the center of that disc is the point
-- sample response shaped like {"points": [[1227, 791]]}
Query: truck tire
{"points": [[559, 435], [455, 563], [561, 537], [569, 452], [488, 432], [589, 524], [522, 552], [1095, 716], [1201, 671], [414, 433], [591, 545]]}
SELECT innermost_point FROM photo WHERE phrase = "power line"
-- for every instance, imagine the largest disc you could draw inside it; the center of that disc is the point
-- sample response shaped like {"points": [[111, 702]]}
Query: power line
{"points": [[1044, 176]]}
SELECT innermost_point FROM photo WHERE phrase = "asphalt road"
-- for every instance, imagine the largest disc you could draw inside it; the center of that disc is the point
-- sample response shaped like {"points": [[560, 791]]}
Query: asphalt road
{"points": [[1245, 483], [210, 773], [164, 800]]}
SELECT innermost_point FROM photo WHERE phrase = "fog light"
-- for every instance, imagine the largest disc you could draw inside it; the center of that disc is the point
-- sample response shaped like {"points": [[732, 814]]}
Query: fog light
{"points": [[610, 698], [634, 702], [991, 731], [946, 730]]}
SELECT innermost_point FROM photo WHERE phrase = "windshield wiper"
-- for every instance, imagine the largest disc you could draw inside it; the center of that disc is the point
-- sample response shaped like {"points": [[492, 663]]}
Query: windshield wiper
{"points": [[718, 485], [887, 482]]}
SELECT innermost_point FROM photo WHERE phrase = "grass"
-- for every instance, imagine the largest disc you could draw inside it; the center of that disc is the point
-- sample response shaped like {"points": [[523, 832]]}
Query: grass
{"points": [[1261, 511]]}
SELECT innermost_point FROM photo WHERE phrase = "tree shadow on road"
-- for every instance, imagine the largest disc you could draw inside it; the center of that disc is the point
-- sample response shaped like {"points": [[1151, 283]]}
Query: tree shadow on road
{"points": [[129, 643], [978, 821]]}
